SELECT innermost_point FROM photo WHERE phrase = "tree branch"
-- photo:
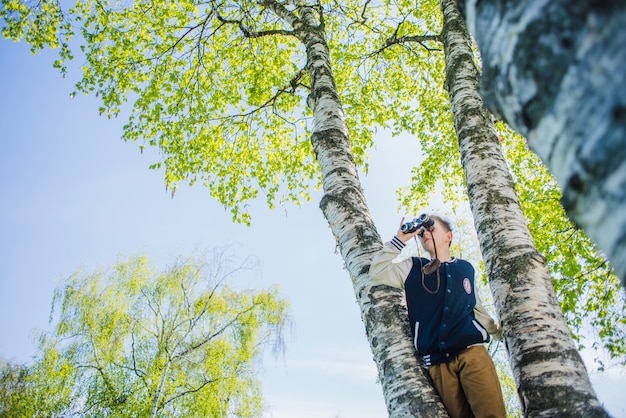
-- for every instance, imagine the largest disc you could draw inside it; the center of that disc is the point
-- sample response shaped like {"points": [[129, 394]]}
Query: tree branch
{"points": [[419, 39], [253, 34]]}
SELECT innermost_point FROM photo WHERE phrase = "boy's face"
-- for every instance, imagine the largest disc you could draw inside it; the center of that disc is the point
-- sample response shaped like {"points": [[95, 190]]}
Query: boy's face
{"points": [[439, 236]]}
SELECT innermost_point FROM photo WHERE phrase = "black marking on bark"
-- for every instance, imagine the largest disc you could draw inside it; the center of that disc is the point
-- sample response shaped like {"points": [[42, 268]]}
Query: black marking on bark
{"points": [[573, 191], [609, 153], [330, 138], [572, 402], [365, 269], [364, 230], [333, 141], [510, 270], [538, 356], [339, 171], [576, 183], [325, 91]]}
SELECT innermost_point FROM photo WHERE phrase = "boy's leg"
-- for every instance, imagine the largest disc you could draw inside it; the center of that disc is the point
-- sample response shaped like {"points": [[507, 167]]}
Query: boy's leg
{"points": [[480, 383], [446, 381]]}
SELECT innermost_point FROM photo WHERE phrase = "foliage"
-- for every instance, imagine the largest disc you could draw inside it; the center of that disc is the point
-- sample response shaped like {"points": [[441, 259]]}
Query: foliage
{"points": [[13, 386], [131, 341], [221, 88]]}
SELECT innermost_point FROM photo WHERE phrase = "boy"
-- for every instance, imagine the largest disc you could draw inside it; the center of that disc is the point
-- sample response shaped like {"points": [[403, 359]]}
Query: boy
{"points": [[448, 322]]}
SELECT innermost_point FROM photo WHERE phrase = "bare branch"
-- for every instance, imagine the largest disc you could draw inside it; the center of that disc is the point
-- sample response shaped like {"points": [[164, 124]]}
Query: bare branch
{"points": [[419, 39]]}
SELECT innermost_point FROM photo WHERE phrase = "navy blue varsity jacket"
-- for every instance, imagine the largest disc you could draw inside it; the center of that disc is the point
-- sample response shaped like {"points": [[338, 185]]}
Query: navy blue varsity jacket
{"points": [[441, 310]]}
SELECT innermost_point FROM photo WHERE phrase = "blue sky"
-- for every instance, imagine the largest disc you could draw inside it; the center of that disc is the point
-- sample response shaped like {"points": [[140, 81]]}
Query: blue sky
{"points": [[75, 196]]}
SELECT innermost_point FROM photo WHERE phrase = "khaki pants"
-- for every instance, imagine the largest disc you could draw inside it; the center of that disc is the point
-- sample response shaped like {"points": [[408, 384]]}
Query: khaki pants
{"points": [[469, 386]]}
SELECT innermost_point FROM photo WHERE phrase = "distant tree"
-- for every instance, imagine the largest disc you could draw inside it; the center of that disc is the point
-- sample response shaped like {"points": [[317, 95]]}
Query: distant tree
{"points": [[555, 72], [14, 401], [132, 341], [27, 391]]}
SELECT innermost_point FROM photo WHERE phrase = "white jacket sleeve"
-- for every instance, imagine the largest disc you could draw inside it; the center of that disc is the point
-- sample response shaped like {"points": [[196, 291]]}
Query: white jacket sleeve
{"points": [[486, 320], [383, 268]]}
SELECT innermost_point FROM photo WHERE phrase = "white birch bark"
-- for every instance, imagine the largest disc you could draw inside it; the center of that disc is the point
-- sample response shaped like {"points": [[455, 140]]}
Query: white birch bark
{"points": [[555, 71], [550, 375], [406, 387]]}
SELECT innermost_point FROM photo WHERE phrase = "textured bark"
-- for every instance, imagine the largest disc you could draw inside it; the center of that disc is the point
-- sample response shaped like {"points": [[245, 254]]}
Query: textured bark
{"points": [[406, 386], [550, 375], [555, 71]]}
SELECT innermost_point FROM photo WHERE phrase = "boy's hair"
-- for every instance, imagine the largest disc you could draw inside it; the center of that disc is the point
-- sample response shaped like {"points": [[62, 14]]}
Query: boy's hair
{"points": [[445, 223]]}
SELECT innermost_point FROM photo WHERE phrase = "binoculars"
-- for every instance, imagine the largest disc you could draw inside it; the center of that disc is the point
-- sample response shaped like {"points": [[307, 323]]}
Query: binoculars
{"points": [[422, 221]]}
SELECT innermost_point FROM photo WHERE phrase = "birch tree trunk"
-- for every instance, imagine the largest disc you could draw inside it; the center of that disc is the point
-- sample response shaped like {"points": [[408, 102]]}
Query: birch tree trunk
{"points": [[555, 71], [405, 383], [550, 375]]}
